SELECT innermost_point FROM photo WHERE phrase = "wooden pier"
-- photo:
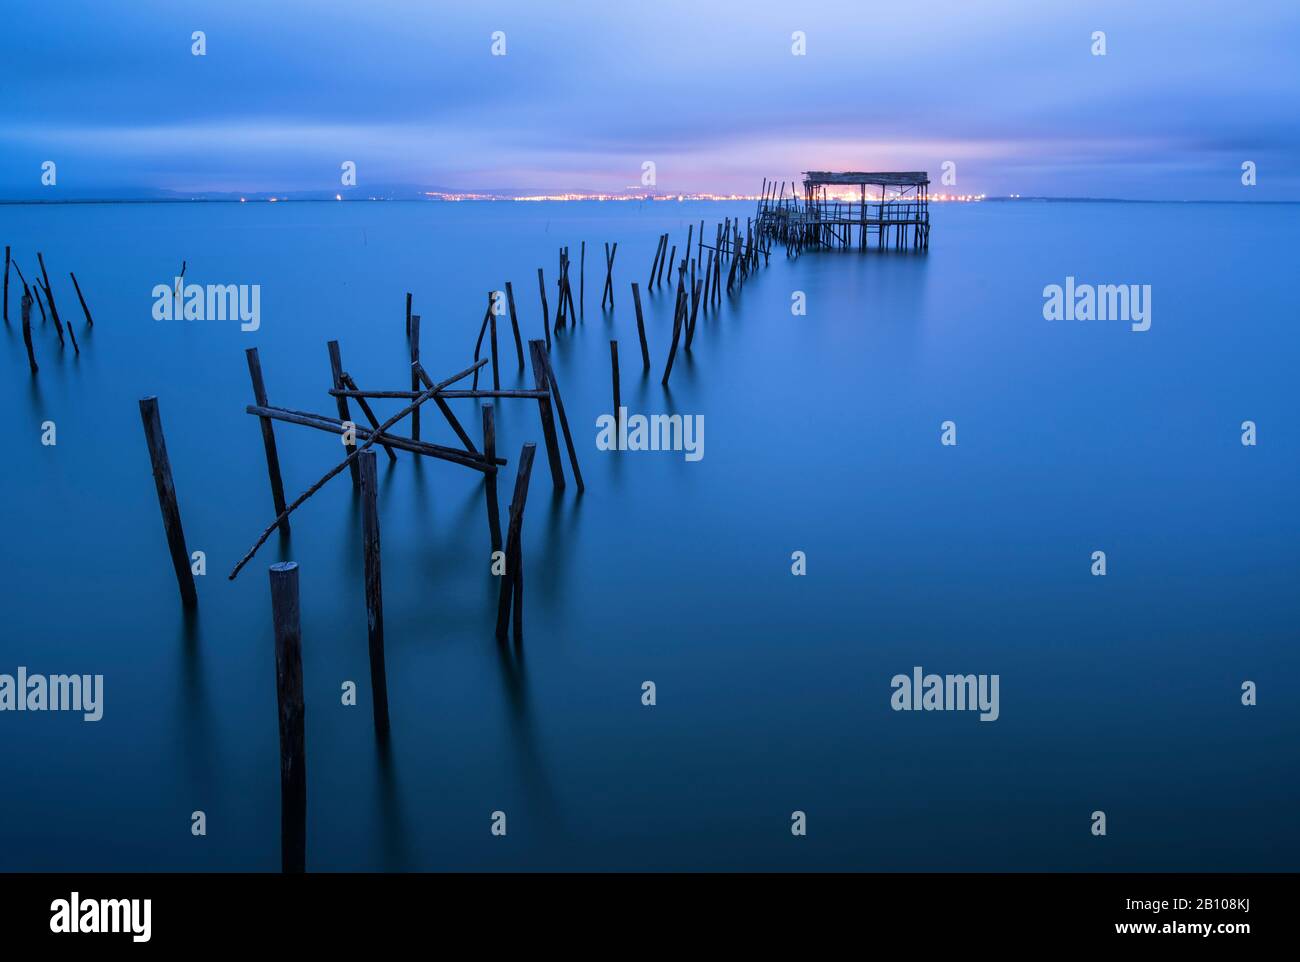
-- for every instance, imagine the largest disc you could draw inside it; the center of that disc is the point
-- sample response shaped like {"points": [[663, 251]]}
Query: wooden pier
{"points": [[896, 211]]}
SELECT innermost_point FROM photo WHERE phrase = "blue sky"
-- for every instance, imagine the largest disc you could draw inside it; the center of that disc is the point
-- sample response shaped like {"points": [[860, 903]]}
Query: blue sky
{"points": [[710, 92]]}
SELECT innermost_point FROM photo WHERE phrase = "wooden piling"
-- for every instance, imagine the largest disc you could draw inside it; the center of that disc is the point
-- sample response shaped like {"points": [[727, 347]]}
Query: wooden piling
{"points": [[546, 311], [90, 321], [512, 583], [27, 330], [496, 376], [415, 383], [514, 324], [49, 294], [171, 512], [408, 313], [490, 477], [640, 327], [336, 374], [536, 358], [268, 436], [677, 331], [695, 308], [554, 386], [374, 590], [287, 621], [618, 401]]}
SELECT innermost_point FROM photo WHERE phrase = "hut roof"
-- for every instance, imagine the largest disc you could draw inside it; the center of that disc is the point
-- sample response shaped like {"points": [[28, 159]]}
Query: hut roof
{"points": [[908, 178]]}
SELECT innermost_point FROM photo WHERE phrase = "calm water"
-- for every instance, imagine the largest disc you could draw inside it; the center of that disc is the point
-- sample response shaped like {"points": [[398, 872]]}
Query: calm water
{"points": [[1119, 693]]}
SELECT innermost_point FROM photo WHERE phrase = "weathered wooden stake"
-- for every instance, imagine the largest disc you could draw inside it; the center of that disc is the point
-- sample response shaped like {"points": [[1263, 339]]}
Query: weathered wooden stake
{"points": [[618, 401], [415, 383], [512, 583], [640, 327], [554, 386], [537, 359], [171, 512], [490, 477], [336, 374], [374, 590], [268, 436], [496, 377], [514, 324], [408, 313], [27, 329], [90, 321], [287, 622], [695, 309], [546, 311], [677, 330], [49, 294]]}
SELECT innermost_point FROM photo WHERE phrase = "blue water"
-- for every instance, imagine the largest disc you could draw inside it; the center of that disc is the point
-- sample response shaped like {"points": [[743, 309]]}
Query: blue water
{"points": [[1119, 693]]}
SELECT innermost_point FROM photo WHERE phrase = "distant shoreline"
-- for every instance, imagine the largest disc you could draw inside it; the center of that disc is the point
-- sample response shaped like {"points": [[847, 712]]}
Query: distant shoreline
{"points": [[578, 200]]}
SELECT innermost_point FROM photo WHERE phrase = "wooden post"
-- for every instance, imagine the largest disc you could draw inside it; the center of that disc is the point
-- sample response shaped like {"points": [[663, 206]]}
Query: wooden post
{"points": [[640, 327], [618, 403], [514, 324], [6, 283], [677, 330], [171, 512], [496, 377], [512, 583], [546, 311], [90, 321], [268, 437], [415, 383], [336, 372], [554, 386], [537, 359], [374, 590], [27, 329], [49, 294], [695, 308], [287, 622], [408, 313], [490, 477]]}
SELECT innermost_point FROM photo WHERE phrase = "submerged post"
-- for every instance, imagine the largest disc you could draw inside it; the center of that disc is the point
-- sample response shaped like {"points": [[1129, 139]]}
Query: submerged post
{"points": [[27, 330], [90, 321], [490, 477], [268, 437], [512, 583], [640, 327], [374, 590], [618, 403], [336, 373], [540, 381], [171, 512], [415, 381], [288, 693]]}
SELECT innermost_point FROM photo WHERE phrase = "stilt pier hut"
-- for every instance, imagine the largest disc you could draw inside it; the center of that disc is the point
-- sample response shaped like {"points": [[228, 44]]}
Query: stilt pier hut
{"points": [[892, 206]]}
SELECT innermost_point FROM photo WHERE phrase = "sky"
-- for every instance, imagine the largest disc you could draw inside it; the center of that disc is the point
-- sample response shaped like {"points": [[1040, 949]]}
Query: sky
{"points": [[709, 92]]}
